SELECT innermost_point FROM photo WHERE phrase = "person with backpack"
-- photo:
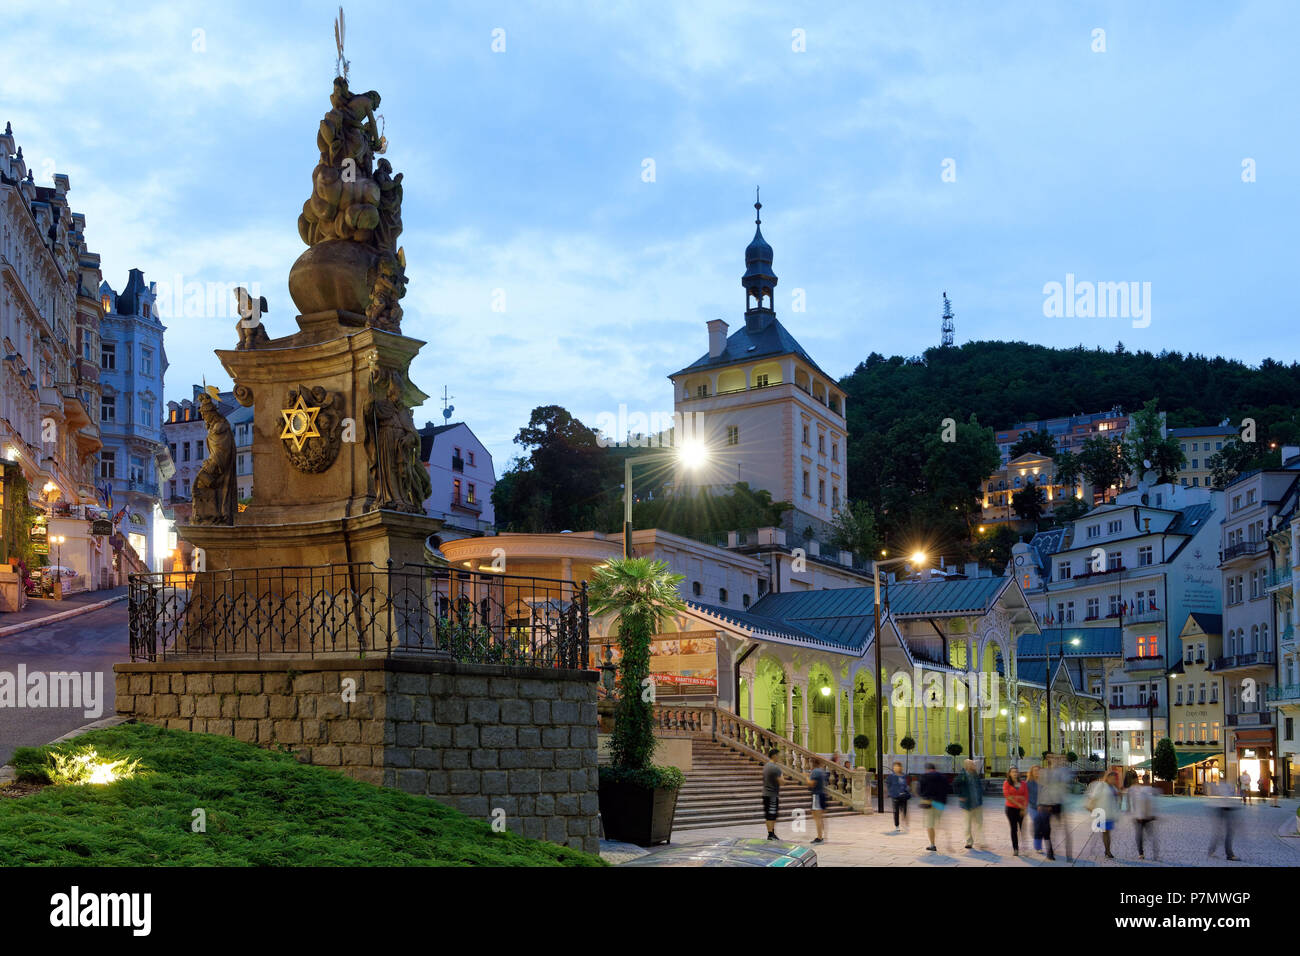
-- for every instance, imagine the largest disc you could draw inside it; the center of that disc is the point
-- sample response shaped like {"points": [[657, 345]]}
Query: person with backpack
{"points": [[932, 789], [899, 792], [969, 787]]}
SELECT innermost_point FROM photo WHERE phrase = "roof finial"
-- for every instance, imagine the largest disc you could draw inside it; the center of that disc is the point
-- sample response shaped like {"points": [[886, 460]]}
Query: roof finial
{"points": [[758, 206]]}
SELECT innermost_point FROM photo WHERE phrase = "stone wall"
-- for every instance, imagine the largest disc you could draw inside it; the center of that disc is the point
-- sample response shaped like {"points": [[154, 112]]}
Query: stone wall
{"points": [[481, 738]]}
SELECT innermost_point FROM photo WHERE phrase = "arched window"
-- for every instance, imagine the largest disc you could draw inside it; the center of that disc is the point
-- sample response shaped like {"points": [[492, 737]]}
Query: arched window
{"points": [[696, 589]]}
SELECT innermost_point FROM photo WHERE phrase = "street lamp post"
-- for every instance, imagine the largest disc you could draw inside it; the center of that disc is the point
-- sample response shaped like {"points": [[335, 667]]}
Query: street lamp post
{"points": [[1074, 641], [692, 454], [57, 540], [916, 558]]}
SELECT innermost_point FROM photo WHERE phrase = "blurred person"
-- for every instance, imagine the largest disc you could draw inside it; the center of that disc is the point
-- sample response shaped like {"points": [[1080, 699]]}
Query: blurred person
{"points": [[933, 790], [969, 787], [771, 793], [1224, 824], [1035, 814], [1243, 782], [1142, 806], [1016, 793], [817, 784], [1103, 795], [899, 792]]}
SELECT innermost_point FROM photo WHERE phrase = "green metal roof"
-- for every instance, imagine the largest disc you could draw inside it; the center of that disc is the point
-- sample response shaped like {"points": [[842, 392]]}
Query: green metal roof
{"points": [[1093, 642]]}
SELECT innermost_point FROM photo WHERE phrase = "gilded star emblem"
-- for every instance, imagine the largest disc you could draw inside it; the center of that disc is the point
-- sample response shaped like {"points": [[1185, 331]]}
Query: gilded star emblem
{"points": [[300, 423]]}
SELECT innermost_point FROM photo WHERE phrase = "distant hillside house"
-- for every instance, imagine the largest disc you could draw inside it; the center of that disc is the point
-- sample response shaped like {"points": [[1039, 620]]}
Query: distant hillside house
{"points": [[462, 475], [1199, 446]]}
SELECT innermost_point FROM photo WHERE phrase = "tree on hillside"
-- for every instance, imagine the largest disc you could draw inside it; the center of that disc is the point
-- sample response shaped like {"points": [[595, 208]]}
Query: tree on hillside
{"points": [[1102, 462], [1236, 458], [1068, 468], [853, 528], [1142, 444], [1029, 502], [1039, 442], [707, 515], [567, 481]]}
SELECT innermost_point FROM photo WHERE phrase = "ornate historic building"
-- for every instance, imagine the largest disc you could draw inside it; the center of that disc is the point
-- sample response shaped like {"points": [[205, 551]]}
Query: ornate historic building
{"points": [[50, 316], [135, 460]]}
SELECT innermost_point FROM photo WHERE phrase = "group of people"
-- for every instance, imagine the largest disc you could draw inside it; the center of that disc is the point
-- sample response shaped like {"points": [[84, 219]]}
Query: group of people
{"points": [[1037, 799], [1266, 787]]}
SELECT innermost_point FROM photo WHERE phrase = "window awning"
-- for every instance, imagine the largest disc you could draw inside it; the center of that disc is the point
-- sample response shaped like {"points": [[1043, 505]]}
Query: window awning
{"points": [[1185, 758]]}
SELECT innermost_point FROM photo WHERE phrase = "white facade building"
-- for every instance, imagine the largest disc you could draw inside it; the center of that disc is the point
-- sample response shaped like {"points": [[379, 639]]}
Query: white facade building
{"points": [[462, 476]]}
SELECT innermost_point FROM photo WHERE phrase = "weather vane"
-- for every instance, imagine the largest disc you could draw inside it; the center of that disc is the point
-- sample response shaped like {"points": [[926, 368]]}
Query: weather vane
{"points": [[340, 27]]}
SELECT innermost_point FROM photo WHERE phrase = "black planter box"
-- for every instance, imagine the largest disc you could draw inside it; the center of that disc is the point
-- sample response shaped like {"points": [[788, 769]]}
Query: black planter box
{"points": [[633, 814]]}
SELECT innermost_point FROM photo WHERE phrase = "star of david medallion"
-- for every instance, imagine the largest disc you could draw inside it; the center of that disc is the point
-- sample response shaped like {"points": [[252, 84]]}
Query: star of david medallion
{"points": [[311, 432]]}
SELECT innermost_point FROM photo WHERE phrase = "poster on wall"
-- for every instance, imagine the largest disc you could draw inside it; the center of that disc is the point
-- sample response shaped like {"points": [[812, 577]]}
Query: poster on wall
{"points": [[680, 664]]}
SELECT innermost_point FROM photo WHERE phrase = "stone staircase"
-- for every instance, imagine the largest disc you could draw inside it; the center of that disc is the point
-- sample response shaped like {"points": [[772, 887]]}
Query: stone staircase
{"points": [[725, 788]]}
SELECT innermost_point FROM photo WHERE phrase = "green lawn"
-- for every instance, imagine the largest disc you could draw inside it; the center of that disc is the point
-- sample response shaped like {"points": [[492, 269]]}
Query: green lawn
{"points": [[263, 809]]}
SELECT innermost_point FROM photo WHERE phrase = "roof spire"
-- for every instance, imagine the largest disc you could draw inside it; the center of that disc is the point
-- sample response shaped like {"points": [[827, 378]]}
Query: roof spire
{"points": [[758, 208]]}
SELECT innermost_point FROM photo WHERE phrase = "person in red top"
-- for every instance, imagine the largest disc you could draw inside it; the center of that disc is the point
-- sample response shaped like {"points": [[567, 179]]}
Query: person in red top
{"points": [[1016, 792]]}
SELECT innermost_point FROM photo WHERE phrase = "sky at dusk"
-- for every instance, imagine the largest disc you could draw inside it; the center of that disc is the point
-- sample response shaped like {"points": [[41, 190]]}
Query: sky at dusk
{"points": [[902, 149]]}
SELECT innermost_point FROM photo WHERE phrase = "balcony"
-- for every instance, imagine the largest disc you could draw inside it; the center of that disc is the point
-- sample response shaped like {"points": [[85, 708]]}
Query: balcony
{"points": [[1284, 694], [1149, 616], [1235, 661], [1145, 663], [1242, 549], [1258, 718], [1279, 579]]}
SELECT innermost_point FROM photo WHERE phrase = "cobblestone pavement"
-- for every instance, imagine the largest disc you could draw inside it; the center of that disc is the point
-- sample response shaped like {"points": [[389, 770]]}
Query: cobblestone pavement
{"points": [[1183, 830]]}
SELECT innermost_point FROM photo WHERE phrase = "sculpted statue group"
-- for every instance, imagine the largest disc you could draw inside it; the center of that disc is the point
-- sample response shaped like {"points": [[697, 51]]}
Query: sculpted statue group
{"points": [[354, 199]]}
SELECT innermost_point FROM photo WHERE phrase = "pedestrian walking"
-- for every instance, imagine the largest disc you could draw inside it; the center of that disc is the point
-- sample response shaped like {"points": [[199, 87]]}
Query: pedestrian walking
{"points": [[1032, 790], [933, 790], [817, 784], [1016, 793], [1102, 801], [969, 786], [899, 792], [1244, 783], [1264, 783], [1141, 804], [771, 793], [1223, 829]]}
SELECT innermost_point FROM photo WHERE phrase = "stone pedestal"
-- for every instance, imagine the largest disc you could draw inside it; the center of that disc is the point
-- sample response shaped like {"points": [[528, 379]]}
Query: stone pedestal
{"points": [[13, 596], [332, 354]]}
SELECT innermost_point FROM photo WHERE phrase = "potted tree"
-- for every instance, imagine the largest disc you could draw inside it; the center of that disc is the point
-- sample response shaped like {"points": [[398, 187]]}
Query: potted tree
{"points": [[637, 798], [1164, 765], [908, 745], [861, 743], [954, 751]]}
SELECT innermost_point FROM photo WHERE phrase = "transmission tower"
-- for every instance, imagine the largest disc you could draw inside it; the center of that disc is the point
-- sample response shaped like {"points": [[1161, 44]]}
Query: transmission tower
{"points": [[947, 321]]}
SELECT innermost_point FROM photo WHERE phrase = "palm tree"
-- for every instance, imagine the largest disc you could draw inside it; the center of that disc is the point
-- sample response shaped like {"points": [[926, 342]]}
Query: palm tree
{"points": [[641, 593]]}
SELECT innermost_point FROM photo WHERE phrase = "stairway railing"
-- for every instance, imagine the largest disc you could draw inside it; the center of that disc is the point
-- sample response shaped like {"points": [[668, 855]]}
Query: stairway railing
{"points": [[844, 785]]}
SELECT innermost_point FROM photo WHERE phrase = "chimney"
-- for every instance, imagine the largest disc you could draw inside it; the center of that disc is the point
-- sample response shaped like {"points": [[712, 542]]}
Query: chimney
{"points": [[972, 569], [717, 337]]}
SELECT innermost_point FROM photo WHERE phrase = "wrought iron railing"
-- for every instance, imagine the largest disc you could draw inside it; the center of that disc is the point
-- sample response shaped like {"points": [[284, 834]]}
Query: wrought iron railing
{"points": [[358, 609]]}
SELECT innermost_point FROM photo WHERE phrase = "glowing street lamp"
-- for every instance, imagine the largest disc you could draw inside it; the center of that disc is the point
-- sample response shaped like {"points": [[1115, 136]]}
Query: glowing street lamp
{"points": [[690, 454], [918, 558]]}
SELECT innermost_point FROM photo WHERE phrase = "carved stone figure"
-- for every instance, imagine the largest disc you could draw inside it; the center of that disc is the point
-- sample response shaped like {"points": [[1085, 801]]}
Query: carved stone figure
{"points": [[251, 331], [215, 489], [388, 287], [392, 445]]}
